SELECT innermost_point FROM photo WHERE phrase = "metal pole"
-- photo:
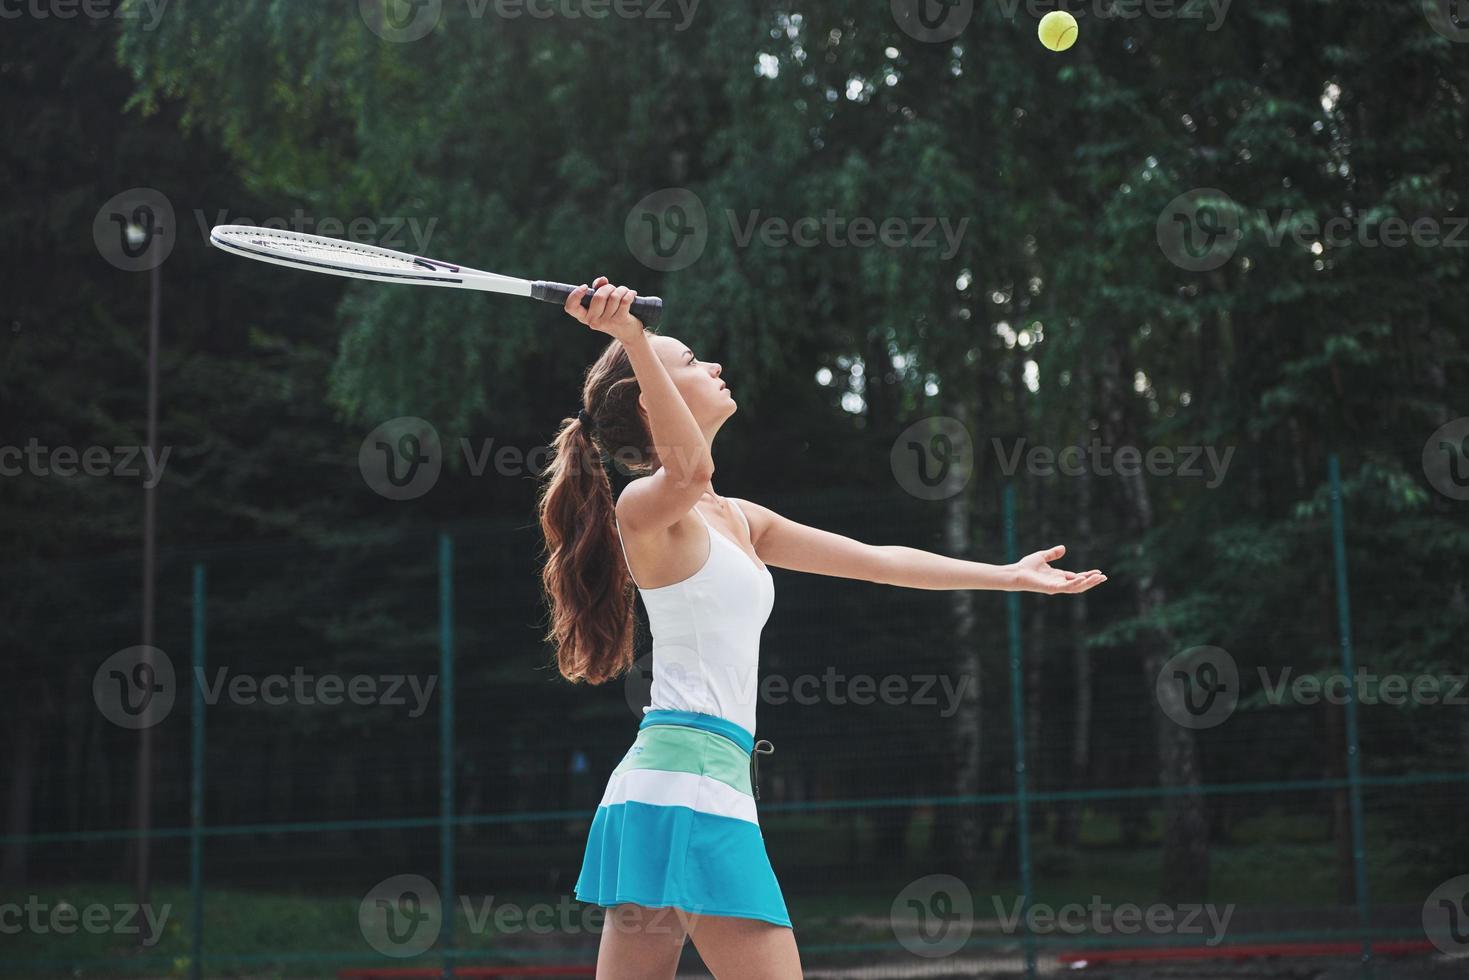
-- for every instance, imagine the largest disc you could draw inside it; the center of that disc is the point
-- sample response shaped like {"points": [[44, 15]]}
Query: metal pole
{"points": [[1017, 729], [1354, 760], [196, 788], [446, 745], [143, 785]]}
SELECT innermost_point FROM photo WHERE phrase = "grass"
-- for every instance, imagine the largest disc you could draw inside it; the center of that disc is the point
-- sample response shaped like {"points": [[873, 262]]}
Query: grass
{"points": [[839, 890]]}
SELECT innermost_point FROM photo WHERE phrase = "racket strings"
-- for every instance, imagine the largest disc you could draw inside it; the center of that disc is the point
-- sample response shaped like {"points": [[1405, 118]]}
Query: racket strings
{"points": [[360, 255]]}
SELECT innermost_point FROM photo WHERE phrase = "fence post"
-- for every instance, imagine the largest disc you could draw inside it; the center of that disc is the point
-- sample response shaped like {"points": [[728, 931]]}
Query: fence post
{"points": [[1354, 761], [196, 783], [446, 745], [1017, 732]]}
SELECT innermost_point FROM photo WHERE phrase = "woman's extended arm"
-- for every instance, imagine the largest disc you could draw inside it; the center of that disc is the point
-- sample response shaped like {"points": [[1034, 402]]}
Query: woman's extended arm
{"points": [[786, 544]]}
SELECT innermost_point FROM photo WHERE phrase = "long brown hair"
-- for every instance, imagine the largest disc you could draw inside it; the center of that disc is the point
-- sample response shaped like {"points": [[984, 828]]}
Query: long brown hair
{"points": [[590, 593]]}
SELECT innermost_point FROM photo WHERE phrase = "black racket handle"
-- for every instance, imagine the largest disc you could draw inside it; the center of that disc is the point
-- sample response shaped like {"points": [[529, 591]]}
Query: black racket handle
{"points": [[648, 309]]}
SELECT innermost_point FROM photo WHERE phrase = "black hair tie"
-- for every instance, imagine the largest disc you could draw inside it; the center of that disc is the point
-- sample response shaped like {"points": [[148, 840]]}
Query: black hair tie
{"points": [[583, 417]]}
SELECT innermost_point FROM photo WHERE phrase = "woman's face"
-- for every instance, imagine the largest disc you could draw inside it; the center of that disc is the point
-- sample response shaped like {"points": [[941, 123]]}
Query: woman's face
{"points": [[697, 381]]}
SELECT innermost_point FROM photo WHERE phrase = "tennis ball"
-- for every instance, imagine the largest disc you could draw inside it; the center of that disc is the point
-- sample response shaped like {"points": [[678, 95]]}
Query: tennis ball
{"points": [[1058, 30]]}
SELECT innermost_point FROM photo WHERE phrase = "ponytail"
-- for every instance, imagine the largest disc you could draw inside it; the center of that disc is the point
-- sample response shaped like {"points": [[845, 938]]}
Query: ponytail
{"points": [[591, 596]]}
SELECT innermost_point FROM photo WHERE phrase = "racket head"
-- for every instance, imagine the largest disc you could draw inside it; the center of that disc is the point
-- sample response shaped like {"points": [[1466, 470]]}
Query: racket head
{"points": [[340, 257]]}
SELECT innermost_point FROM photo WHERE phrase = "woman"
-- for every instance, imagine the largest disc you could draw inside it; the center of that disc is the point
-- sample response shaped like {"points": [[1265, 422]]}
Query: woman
{"points": [[675, 849]]}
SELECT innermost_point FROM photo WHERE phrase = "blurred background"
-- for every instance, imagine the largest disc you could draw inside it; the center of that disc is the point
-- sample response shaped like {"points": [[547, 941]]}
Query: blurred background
{"points": [[1189, 298]]}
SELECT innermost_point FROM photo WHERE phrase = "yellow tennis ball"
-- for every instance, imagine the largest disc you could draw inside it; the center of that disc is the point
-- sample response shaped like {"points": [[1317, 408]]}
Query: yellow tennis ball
{"points": [[1058, 30]]}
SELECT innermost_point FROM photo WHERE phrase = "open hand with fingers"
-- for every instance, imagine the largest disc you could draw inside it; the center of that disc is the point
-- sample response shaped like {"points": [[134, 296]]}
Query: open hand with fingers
{"points": [[1033, 573], [609, 310]]}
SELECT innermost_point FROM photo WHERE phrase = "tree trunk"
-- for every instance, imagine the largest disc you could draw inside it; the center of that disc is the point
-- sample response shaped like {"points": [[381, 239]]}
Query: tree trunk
{"points": [[1068, 830], [22, 765], [958, 538], [1185, 827]]}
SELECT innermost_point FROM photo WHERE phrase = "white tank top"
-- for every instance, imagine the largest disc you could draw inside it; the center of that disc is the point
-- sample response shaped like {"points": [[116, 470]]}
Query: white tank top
{"points": [[706, 631]]}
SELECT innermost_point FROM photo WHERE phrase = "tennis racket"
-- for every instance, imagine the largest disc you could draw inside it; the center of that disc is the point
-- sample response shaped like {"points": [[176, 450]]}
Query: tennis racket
{"points": [[338, 257]]}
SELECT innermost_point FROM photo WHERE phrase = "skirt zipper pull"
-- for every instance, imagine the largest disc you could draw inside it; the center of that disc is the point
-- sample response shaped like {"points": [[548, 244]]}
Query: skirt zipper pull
{"points": [[755, 763]]}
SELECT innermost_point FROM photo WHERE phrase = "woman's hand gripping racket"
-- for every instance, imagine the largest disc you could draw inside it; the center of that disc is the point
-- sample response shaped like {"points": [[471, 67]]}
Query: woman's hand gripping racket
{"points": [[338, 257], [606, 308]]}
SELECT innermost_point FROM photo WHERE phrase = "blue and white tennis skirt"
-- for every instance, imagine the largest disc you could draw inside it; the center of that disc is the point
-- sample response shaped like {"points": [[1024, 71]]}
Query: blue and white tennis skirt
{"points": [[677, 825]]}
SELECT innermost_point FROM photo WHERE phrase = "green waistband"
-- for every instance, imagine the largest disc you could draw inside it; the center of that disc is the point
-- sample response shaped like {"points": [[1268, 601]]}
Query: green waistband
{"points": [[679, 748]]}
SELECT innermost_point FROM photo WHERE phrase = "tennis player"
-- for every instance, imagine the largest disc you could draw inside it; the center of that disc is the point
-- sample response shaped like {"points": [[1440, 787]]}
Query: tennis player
{"points": [[675, 850]]}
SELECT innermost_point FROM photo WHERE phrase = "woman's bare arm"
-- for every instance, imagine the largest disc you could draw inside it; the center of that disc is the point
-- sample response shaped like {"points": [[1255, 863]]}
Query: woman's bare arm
{"points": [[784, 543], [654, 503]]}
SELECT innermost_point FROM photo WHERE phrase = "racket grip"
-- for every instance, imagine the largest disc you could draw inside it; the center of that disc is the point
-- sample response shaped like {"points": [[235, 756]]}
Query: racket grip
{"points": [[648, 309]]}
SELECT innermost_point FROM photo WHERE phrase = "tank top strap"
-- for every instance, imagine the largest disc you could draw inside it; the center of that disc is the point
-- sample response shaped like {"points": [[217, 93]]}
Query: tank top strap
{"points": [[745, 520], [623, 545]]}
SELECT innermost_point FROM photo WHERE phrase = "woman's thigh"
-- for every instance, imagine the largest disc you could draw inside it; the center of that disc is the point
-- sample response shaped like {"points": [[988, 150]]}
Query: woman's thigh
{"points": [[640, 942], [745, 949]]}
